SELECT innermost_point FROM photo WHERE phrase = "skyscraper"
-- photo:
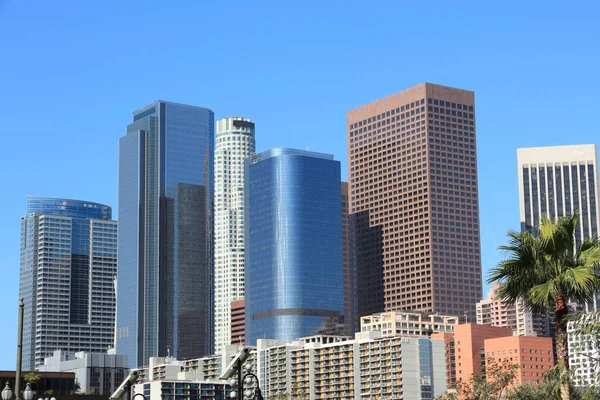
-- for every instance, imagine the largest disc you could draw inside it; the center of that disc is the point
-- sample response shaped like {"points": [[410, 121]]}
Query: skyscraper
{"points": [[414, 205], [557, 181], [235, 143], [294, 272], [68, 262], [350, 316], [165, 233]]}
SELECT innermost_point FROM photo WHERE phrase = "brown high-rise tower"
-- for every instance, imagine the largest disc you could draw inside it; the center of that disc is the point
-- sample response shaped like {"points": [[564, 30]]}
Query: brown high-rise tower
{"points": [[413, 203]]}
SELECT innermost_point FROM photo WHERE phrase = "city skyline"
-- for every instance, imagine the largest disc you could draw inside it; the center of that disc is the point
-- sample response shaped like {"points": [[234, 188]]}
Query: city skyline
{"points": [[296, 72]]}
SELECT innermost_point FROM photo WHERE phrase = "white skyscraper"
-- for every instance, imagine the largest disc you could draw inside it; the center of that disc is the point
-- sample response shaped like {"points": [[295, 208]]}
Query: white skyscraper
{"points": [[557, 181], [235, 142]]}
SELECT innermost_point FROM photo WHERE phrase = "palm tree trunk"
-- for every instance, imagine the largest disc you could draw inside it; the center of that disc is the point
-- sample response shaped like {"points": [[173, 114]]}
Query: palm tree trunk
{"points": [[562, 349]]}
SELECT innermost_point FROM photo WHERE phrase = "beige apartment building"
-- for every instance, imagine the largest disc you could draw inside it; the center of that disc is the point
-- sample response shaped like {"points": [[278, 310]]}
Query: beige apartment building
{"points": [[413, 201], [406, 323], [492, 311]]}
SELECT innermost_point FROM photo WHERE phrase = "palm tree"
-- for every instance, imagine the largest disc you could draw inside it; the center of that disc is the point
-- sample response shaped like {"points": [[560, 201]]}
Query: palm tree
{"points": [[545, 271]]}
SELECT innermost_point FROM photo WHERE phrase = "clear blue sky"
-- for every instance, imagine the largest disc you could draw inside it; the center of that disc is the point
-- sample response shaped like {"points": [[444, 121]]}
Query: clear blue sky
{"points": [[72, 72]]}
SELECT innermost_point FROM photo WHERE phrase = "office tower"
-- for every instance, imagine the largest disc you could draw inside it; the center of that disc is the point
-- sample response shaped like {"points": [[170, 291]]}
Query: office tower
{"points": [[294, 272], [68, 262], [350, 316], [414, 205], [235, 143], [558, 181], [165, 229], [493, 311]]}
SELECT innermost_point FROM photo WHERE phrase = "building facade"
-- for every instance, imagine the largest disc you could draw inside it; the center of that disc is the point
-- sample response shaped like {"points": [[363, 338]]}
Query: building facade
{"points": [[294, 270], [367, 367], [584, 351], [469, 348], [532, 355], [68, 263], [238, 322], [558, 181], [235, 143], [350, 311], [493, 311], [165, 246], [96, 373], [414, 204]]}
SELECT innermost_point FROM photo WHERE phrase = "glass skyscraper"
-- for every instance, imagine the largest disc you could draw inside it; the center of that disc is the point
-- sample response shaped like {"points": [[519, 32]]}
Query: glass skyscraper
{"points": [[164, 295], [294, 272], [235, 143], [68, 264]]}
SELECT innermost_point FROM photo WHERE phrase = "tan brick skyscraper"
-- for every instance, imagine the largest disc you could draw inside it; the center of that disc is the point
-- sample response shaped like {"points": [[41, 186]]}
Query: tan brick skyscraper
{"points": [[413, 203]]}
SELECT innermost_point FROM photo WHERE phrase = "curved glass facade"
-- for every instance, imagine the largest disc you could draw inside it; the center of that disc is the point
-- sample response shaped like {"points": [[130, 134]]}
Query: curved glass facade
{"points": [[294, 273], [68, 207]]}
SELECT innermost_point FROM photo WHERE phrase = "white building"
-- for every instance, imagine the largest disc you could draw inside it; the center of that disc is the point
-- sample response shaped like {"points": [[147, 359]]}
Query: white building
{"points": [[584, 352], [235, 143], [367, 367], [98, 373], [166, 378], [492, 311], [558, 181]]}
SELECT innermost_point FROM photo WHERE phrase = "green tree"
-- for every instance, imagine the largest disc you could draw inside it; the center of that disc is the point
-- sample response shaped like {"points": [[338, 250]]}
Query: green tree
{"points": [[49, 393], [545, 271], [489, 386], [33, 379]]}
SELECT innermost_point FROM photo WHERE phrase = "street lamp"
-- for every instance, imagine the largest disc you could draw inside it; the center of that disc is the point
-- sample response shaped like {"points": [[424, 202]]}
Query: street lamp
{"points": [[7, 393], [27, 393], [238, 391]]}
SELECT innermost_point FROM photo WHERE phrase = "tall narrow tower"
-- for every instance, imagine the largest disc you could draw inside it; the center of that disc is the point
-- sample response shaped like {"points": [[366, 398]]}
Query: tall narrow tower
{"points": [[414, 205], [165, 246], [235, 143]]}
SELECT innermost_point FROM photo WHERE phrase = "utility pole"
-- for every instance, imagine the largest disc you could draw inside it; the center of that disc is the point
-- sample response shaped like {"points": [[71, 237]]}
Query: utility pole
{"points": [[19, 351]]}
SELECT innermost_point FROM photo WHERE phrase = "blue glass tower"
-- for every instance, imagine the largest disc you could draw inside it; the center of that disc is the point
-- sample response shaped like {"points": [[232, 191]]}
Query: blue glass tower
{"points": [[294, 273], [68, 263], [165, 248]]}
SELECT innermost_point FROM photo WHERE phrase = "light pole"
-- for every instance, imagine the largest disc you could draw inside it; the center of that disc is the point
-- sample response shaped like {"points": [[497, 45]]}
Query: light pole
{"points": [[238, 391], [19, 351]]}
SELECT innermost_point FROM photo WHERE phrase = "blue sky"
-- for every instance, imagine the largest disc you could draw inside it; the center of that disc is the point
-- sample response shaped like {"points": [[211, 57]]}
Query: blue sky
{"points": [[72, 72]]}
